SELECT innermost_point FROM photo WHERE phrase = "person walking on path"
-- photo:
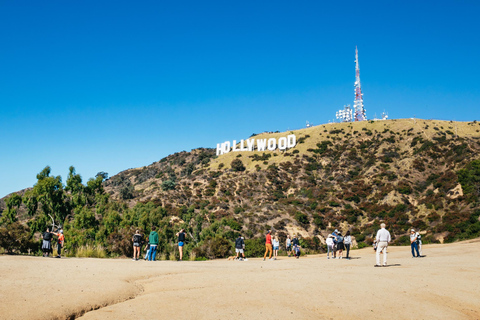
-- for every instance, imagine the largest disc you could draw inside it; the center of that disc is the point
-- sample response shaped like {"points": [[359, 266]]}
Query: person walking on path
{"points": [[268, 245], [181, 242], [288, 245], [276, 245], [137, 240], [47, 243], [383, 238], [413, 243], [240, 247], [329, 242], [60, 241], [153, 239], [347, 241]]}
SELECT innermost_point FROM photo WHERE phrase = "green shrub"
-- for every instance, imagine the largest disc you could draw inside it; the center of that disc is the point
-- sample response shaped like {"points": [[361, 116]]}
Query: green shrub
{"points": [[255, 247], [213, 248], [16, 238], [237, 165]]}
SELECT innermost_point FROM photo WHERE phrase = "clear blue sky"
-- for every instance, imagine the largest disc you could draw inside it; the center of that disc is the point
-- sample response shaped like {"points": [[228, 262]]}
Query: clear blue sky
{"points": [[112, 85]]}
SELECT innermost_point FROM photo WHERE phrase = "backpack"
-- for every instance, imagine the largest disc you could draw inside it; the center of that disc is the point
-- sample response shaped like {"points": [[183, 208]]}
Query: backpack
{"points": [[419, 238], [137, 239]]}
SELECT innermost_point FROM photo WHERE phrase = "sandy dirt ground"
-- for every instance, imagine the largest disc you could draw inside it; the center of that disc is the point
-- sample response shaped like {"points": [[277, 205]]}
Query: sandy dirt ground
{"points": [[443, 285]]}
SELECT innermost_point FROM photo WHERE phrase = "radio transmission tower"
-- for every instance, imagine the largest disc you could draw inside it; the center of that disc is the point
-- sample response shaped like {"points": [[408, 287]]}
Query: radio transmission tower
{"points": [[360, 112]]}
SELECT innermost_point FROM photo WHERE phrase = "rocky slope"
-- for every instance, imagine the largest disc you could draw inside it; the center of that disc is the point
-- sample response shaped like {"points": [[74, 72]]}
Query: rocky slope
{"points": [[349, 176]]}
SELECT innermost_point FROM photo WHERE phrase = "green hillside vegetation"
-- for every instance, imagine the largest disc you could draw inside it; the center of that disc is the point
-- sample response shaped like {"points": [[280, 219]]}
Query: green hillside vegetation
{"points": [[408, 173]]}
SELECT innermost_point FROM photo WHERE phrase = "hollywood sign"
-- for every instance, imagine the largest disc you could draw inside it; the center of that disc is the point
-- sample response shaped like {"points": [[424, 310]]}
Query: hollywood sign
{"points": [[271, 144]]}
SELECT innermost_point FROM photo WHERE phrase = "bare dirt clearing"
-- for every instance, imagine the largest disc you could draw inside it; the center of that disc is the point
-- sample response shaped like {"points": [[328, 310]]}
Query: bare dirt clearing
{"points": [[443, 285]]}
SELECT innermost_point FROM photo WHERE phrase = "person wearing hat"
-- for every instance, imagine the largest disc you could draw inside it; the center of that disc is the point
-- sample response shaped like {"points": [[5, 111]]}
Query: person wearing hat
{"points": [[239, 247], [268, 245], [334, 236], [413, 243], [383, 238], [60, 241]]}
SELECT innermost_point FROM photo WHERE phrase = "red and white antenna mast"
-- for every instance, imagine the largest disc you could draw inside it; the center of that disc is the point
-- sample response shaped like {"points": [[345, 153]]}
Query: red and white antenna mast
{"points": [[359, 110]]}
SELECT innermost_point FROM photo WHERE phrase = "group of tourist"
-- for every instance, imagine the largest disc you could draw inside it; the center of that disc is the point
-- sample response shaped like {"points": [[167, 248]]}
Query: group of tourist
{"points": [[47, 237], [336, 243], [152, 244]]}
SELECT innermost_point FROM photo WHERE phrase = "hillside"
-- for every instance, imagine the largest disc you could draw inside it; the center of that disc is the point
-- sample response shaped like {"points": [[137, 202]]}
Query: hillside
{"points": [[350, 176], [347, 176]]}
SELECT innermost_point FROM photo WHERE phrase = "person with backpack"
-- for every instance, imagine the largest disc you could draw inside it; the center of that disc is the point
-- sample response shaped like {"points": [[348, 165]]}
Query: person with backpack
{"points": [[340, 245], [137, 240], [419, 243], [153, 239], [334, 235], [239, 248], [181, 242], [46, 244]]}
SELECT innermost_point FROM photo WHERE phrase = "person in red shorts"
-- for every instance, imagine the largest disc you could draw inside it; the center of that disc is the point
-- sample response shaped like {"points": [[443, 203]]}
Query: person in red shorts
{"points": [[268, 245]]}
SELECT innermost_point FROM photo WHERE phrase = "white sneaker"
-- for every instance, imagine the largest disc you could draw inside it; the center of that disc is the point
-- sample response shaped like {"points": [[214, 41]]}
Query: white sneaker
{"points": [[245, 260]]}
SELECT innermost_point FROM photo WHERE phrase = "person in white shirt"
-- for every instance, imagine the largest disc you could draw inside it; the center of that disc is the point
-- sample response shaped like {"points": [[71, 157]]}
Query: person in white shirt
{"points": [[383, 238], [329, 242], [348, 242]]}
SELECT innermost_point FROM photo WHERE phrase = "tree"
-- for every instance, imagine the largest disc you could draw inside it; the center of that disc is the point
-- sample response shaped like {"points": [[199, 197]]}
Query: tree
{"points": [[50, 194], [13, 203]]}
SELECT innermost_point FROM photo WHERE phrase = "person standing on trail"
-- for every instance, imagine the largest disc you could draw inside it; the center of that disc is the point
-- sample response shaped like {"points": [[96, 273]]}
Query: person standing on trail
{"points": [[268, 245], [329, 242], [60, 241], [153, 239], [413, 243], [348, 242], [276, 246], [383, 238], [240, 247], [288, 245], [181, 242], [46, 244], [137, 240]]}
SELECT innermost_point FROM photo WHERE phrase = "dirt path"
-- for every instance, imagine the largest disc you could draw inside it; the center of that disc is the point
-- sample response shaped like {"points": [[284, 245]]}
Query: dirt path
{"points": [[443, 285]]}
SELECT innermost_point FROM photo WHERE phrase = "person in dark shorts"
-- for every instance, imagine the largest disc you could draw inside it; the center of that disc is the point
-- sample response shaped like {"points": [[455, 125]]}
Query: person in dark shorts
{"points": [[137, 240], [60, 241], [47, 243], [181, 242]]}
